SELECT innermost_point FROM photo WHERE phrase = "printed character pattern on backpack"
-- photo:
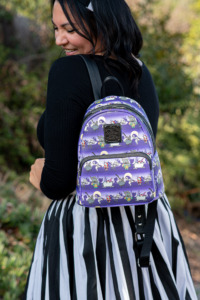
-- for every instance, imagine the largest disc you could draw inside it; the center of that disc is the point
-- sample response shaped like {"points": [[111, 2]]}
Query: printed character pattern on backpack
{"points": [[117, 159]]}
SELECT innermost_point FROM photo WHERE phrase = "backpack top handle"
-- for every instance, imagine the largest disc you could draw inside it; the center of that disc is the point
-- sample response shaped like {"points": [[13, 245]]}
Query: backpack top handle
{"points": [[109, 78], [99, 89]]}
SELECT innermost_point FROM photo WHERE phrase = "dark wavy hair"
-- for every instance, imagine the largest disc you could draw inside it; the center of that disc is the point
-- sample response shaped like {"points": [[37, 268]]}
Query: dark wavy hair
{"points": [[112, 23]]}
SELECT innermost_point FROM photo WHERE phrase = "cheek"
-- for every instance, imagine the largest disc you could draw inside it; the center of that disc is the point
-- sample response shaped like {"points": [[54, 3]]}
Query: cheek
{"points": [[82, 42], [87, 46]]}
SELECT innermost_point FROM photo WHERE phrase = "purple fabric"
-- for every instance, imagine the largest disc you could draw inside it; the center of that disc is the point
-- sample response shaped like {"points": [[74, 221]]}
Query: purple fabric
{"points": [[123, 173]]}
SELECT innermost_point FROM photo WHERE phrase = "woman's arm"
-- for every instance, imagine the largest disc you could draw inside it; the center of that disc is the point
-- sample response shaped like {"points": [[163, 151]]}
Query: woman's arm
{"points": [[35, 173], [68, 83]]}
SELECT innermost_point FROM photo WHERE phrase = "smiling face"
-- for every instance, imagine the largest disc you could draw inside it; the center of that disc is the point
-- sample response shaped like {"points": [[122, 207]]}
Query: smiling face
{"points": [[66, 37]]}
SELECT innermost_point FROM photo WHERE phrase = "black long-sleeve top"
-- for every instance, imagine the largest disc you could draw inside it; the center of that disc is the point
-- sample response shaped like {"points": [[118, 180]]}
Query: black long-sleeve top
{"points": [[69, 93]]}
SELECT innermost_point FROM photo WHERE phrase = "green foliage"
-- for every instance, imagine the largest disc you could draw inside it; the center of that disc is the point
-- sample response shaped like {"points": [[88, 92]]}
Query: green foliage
{"points": [[5, 15], [23, 80], [19, 226], [14, 263], [176, 78], [22, 101], [19, 95], [30, 9], [173, 85], [179, 149], [16, 216], [191, 47]]}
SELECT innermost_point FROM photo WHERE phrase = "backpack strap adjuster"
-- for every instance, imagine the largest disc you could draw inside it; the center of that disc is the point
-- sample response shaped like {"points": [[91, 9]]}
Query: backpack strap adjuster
{"points": [[139, 237], [144, 232]]}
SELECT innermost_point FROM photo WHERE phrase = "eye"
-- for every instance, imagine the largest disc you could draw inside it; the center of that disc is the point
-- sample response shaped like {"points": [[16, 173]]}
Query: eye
{"points": [[70, 31], [55, 28]]}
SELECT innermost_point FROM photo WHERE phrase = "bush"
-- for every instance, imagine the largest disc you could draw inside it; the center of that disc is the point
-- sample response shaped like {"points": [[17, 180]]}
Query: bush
{"points": [[179, 149], [19, 227], [22, 101], [15, 259]]}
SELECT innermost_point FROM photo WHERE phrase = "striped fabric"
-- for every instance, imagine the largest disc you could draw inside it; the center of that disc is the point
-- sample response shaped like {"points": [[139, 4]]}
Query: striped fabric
{"points": [[84, 254]]}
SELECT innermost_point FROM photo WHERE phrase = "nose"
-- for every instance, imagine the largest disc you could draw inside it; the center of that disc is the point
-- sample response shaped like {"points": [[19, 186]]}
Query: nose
{"points": [[60, 38]]}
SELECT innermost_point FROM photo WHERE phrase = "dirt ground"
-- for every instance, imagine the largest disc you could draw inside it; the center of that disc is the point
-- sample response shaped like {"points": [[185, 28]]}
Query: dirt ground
{"points": [[190, 231]]}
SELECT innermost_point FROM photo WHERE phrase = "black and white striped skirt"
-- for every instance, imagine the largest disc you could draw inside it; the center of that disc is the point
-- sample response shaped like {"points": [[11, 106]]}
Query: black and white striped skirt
{"points": [[72, 259]]}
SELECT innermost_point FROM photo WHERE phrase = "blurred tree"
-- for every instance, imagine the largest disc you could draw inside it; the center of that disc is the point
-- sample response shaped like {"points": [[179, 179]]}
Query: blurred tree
{"points": [[23, 77], [172, 57], [21, 93], [191, 47], [161, 52], [37, 10]]}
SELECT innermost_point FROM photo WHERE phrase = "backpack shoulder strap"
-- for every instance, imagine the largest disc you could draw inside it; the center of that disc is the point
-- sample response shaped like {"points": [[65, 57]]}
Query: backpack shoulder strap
{"points": [[148, 229], [94, 76]]}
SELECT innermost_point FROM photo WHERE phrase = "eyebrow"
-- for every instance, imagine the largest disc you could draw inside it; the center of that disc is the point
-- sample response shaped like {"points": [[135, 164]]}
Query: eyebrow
{"points": [[62, 25]]}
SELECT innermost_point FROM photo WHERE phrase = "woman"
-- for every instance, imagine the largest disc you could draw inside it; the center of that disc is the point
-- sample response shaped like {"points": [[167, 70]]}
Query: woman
{"points": [[72, 255]]}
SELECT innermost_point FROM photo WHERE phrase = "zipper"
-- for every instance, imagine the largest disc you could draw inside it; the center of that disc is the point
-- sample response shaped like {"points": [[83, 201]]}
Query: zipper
{"points": [[122, 106], [136, 154]]}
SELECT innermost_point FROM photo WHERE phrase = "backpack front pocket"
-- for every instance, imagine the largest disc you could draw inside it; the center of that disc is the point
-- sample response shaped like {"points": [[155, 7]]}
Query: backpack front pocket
{"points": [[116, 179]]}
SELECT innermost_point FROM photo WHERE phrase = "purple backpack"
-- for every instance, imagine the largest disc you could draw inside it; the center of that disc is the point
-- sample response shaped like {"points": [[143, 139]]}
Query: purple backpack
{"points": [[118, 164]]}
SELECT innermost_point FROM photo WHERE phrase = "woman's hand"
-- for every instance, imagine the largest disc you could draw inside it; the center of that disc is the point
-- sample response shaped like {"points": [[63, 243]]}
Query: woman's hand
{"points": [[36, 172]]}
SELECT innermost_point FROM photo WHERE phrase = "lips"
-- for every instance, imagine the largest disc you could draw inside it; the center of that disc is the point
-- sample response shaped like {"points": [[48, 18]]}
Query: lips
{"points": [[70, 51]]}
